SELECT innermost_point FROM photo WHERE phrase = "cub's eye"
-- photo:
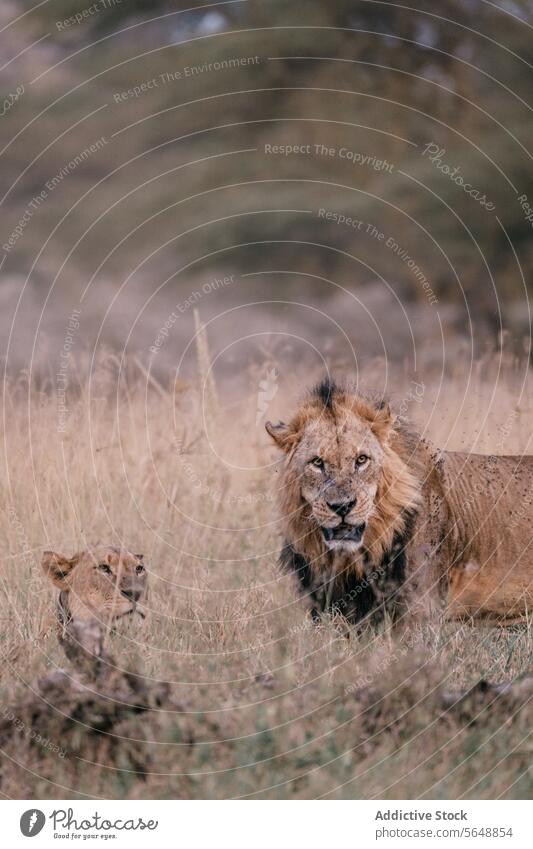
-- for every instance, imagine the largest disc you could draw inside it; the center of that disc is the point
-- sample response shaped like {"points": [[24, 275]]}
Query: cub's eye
{"points": [[105, 568], [317, 462], [362, 460], [139, 568]]}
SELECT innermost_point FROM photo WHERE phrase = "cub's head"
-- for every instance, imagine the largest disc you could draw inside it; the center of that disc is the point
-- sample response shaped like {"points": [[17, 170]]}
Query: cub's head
{"points": [[343, 478], [102, 583]]}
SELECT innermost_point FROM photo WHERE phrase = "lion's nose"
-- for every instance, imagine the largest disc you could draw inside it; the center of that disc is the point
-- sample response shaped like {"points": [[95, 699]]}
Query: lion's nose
{"points": [[133, 595], [342, 508]]}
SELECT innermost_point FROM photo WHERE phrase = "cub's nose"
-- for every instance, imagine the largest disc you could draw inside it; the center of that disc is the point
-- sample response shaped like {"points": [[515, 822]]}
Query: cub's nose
{"points": [[342, 508], [133, 595]]}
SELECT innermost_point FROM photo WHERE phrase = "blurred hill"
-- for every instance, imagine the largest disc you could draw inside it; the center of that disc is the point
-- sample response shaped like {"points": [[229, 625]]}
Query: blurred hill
{"points": [[367, 159]]}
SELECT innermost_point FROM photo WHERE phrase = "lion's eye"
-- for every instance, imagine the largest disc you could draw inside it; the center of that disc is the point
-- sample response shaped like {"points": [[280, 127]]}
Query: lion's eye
{"points": [[362, 460], [139, 568], [105, 568], [317, 462]]}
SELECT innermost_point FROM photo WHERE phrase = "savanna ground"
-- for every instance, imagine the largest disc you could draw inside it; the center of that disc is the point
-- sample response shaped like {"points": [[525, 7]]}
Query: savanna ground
{"points": [[270, 706]]}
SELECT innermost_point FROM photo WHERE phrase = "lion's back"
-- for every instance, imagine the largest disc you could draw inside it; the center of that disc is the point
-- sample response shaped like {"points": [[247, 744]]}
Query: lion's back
{"points": [[491, 505]]}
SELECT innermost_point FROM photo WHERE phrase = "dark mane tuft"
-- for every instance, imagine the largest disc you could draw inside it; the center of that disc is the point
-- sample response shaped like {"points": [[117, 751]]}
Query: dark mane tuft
{"points": [[325, 392]]}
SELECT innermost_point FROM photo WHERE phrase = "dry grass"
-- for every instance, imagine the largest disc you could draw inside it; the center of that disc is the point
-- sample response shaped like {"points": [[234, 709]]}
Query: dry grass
{"points": [[276, 708]]}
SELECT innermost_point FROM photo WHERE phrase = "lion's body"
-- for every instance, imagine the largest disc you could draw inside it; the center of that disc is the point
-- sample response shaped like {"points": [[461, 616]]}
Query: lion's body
{"points": [[446, 533], [490, 520]]}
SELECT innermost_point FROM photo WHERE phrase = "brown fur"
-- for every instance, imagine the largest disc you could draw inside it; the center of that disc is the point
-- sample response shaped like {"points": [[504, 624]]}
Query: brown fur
{"points": [[437, 532], [102, 583]]}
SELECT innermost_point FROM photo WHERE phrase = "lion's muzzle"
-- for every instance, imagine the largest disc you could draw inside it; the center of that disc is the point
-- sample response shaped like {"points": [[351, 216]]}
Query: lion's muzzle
{"points": [[342, 508], [131, 594]]}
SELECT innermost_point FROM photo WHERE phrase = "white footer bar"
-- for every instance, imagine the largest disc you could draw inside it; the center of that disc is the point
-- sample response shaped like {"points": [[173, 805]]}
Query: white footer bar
{"points": [[267, 825]]}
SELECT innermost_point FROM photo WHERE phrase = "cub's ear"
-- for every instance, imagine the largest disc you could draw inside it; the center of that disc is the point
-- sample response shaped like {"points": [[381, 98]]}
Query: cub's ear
{"points": [[382, 420], [57, 568], [283, 435]]}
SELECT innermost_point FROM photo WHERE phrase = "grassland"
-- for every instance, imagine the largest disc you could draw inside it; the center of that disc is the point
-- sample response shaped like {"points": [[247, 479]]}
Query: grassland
{"points": [[269, 706]]}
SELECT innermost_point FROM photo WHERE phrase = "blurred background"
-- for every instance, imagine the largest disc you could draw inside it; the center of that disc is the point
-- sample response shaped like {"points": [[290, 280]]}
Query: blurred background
{"points": [[316, 182]]}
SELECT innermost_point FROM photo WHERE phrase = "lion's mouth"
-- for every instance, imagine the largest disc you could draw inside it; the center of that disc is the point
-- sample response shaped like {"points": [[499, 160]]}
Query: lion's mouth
{"points": [[131, 612], [344, 533]]}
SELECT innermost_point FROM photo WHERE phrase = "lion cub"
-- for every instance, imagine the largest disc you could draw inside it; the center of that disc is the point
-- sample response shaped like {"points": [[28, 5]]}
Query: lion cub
{"points": [[102, 583]]}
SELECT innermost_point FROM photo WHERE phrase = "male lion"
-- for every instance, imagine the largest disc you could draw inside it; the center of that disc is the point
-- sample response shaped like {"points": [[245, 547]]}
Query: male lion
{"points": [[376, 519], [102, 583]]}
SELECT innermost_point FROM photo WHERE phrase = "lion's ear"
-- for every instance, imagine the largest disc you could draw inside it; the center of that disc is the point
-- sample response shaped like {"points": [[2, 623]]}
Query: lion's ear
{"points": [[382, 420], [57, 568], [283, 434]]}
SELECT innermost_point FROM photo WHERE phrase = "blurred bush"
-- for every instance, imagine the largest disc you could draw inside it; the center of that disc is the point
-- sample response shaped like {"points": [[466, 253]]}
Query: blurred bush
{"points": [[183, 180]]}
